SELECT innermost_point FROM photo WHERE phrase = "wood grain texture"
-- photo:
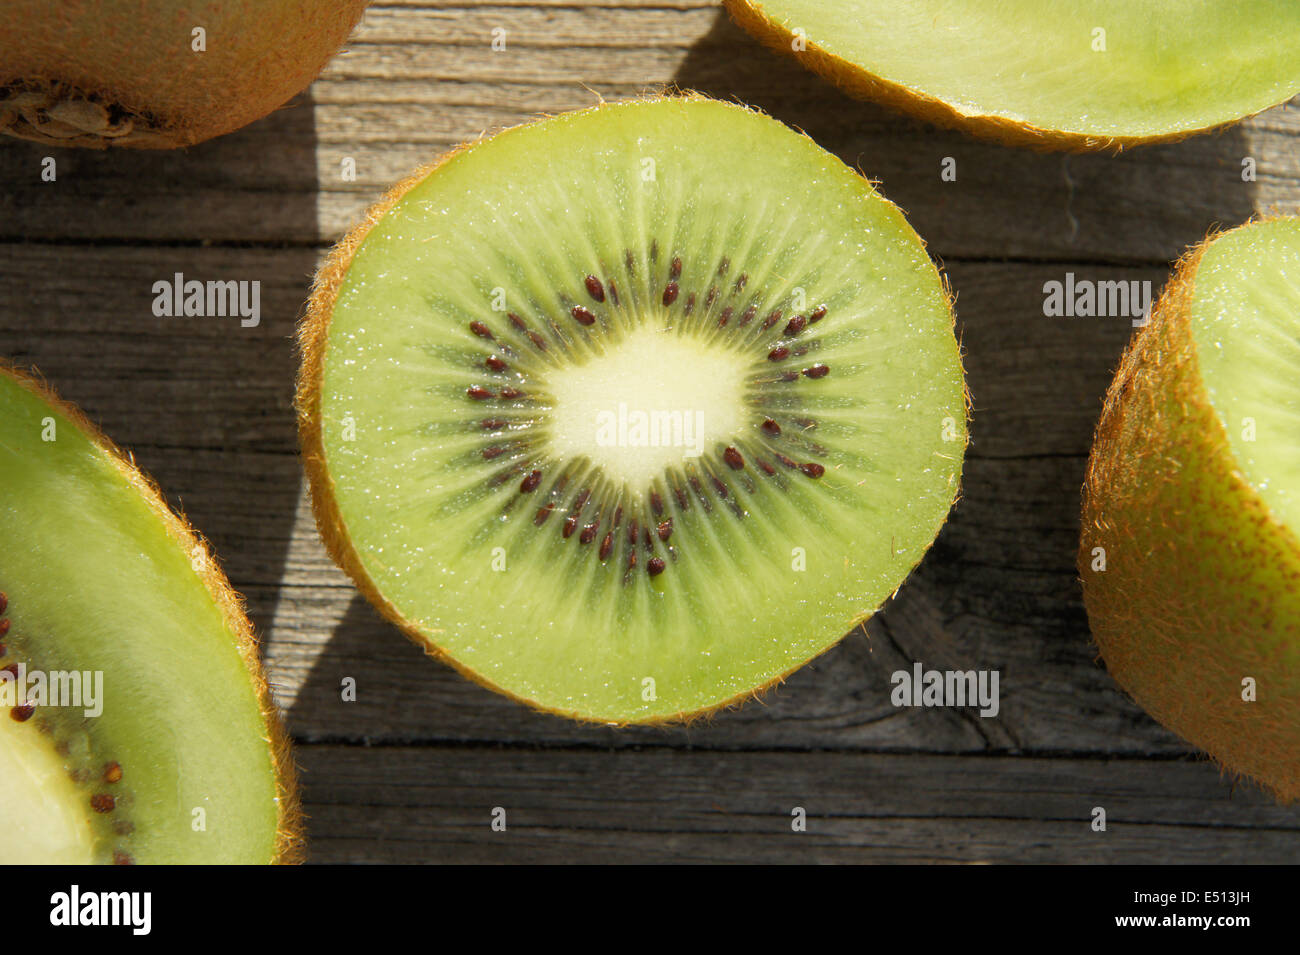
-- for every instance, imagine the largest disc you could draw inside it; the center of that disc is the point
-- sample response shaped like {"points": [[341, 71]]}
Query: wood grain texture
{"points": [[426, 804], [405, 773]]}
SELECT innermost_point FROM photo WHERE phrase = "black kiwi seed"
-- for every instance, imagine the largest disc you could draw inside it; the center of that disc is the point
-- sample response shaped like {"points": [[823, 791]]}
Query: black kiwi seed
{"points": [[649, 523], [103, 802]]}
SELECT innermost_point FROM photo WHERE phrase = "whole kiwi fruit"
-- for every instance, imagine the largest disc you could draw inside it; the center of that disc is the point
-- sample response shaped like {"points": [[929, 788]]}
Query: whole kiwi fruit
{"points": [[1190, 555], [158, 73]]}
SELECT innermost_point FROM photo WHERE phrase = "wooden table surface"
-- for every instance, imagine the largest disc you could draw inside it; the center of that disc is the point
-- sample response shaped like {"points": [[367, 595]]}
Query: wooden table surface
{"points": [[412, 770]]}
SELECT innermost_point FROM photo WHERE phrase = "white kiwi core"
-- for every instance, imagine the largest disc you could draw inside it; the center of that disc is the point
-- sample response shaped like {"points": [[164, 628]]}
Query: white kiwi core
{"points": [[46, 817], [653, 400]]}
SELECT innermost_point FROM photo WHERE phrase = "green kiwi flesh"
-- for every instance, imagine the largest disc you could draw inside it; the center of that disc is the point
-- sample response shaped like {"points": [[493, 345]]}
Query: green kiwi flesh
{"points": [[477, 356], [1087, 74], [176, 756], [1190, 553]]}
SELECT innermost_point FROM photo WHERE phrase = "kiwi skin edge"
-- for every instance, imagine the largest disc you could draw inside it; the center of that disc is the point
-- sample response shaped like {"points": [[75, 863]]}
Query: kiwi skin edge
{"points": [[111, 74], [863, 84], [313, 337], [1162, 496], [290, 843]]}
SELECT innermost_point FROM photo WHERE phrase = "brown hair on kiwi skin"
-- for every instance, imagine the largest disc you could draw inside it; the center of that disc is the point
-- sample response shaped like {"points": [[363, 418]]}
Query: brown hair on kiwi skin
{"points": [[100, 73], [290, 844], [863, 84], [313, 340], [1188, 679]]}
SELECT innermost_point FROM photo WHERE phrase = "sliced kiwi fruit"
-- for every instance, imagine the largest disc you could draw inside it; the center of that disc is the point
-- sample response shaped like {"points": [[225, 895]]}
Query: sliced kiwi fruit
{"points": [[158, 73], [631, 411], [135, 723], [1089, 74], [1190, 554]]}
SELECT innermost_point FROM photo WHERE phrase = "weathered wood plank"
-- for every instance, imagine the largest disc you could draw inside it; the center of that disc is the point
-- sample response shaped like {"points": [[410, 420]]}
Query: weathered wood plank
{"points": [[432, 804], [418, 79], [206, 406]]}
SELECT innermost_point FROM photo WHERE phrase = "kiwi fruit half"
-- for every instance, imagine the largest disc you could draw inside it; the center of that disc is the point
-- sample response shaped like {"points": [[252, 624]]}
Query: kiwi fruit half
{"points": [[631, 411], [1088, 74], [1190, 556], [135, 724], [158, 73]]}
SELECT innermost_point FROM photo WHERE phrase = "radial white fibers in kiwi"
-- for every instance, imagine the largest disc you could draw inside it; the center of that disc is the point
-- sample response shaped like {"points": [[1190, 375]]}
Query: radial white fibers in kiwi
{"points": [[1086, 74], [629, 412], [135, 724], [1190, 554]]}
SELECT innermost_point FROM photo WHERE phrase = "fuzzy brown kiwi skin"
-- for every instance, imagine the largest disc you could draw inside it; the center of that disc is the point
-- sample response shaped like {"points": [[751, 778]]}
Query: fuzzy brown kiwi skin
{"points": [[290, 844], [71, 74], [313, 341], [863, 84], [1176, 631]]}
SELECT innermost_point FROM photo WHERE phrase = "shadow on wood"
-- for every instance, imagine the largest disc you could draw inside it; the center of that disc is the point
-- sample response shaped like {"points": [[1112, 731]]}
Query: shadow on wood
{"points": [[1143, 206], [999, 588], [203, 402]]}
